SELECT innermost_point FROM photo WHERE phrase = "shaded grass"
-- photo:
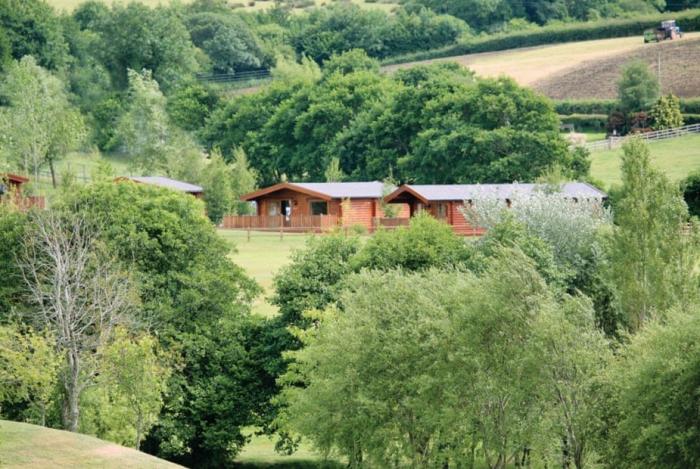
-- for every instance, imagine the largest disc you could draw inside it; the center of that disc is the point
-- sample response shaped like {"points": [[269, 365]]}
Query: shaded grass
{"points": [[29, 446], [262, 257], [260, 453], [676, 157]]}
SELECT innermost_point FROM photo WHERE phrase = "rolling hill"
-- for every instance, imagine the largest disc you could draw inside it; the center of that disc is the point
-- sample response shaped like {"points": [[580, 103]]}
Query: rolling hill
{"points": [[587, 68], [29, 446]]}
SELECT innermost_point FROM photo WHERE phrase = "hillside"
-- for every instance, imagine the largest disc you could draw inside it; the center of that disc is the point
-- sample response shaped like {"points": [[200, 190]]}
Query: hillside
{"points": [[564, 66], [28, 446], [675, 157], [69, 5], [677, 62]]}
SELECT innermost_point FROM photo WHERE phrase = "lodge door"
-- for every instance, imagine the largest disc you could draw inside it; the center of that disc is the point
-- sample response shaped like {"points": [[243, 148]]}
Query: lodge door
{"points": [[286, 211]]}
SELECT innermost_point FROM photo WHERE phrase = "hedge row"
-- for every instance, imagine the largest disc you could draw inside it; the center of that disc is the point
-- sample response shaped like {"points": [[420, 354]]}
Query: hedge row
{"points": [[688, 20], [605, 106], [598, 122]]}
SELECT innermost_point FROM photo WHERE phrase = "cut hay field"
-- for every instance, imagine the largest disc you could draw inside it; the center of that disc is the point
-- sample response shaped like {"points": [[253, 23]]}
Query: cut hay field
{"points": [[562, 68], [246, 5], [676, 157], [29, 446]]}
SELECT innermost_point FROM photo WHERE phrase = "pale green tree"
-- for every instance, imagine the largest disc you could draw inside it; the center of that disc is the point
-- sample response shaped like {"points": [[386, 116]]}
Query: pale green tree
{"points": [[135, 372], [666, 113], [40, 125], [218, 193], [243, 180], [653, 260], [333, 171], [29, 367]]}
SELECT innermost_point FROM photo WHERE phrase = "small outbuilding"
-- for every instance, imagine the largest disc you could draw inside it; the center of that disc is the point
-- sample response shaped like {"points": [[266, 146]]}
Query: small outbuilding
{"points": [[167, 183]]}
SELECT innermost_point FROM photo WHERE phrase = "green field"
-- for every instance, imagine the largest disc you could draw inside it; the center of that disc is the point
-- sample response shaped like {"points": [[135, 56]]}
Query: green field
{"points": [[29, 446], [675, 157], [262, 256]]}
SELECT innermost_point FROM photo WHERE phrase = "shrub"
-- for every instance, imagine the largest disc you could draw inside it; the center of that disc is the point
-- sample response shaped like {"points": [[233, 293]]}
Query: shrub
{"points": [[666, 113], [586, 121]]}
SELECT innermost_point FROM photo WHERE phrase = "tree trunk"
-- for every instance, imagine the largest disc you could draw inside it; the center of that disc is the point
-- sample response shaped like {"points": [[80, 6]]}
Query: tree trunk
{"points": [[53, 172], [71, 405], [139, 426]]}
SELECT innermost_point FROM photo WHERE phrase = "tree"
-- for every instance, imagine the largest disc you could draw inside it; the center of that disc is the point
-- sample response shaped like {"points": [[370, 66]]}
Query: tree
{"points": [[136, 37], [218, 194], [13, 292], [190, 105], [441, 368], [351, 61], [653, 385], [228, 41], [79, 296], [197, 302], [40, 125], [31, 27], [243, 181], [651, 261], [666, 113], [133, 369], [638, 88], [691, 193], [29, 368], [333, 172]]}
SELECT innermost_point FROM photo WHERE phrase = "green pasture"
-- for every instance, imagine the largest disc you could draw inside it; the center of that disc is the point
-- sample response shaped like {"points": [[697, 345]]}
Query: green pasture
{"points": [[676, 157]]}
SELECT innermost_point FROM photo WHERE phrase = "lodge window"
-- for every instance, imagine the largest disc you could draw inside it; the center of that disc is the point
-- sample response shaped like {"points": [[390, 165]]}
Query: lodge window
{"points": [[318, 207], [442, 210]]}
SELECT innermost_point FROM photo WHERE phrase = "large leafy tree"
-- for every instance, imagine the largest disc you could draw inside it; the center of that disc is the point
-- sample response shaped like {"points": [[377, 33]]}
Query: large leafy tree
{"points": [[197, 302], [638, 87], [40, 125], [137, 37], [31, 27]]}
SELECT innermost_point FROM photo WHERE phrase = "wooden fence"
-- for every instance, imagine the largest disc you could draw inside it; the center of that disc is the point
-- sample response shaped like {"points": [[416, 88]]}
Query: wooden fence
{"points": [[389, 223], [25, 202], [295, 223], [615, 142]]}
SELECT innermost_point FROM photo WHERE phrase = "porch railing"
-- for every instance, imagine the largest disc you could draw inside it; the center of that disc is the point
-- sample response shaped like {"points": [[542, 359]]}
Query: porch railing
{"points": [[390, 223], [280, 222], [25, 203]]}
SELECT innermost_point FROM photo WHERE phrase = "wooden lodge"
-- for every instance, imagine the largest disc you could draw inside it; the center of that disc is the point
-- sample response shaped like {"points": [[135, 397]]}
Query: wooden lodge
{"points": [[11, 191], [323, 206], [314, 207], [445, 201]]}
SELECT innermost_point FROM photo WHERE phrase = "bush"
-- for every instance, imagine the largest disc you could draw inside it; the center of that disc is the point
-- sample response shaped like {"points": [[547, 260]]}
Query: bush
{"points": [[596, 122], [688, 21], [606, 106]]}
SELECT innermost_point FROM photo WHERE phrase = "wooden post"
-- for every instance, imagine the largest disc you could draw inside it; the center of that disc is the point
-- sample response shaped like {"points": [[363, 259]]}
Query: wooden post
{"points": [[281, 227], [248, 234]]}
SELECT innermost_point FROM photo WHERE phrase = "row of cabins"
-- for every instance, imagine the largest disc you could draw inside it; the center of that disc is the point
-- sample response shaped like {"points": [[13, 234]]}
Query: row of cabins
{"points": [[320, 206]]}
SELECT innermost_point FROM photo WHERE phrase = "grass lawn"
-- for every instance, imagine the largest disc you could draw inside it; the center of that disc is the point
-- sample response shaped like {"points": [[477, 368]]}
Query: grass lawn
{"points": [[262, 257], [29, 446], [676, 157], [260, 453]]}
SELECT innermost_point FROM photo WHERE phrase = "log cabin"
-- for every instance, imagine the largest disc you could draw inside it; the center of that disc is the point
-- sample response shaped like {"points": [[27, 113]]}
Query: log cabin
{"points": [[11, 191], [445, 201], [315, 206]]}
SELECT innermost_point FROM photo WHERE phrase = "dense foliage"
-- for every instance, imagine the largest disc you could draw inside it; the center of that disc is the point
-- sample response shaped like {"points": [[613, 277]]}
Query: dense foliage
{"points": [[432, 124]]}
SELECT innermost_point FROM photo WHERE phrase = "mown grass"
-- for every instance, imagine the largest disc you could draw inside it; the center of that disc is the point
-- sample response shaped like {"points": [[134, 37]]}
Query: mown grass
{"points": [[676, 157], [262, 256], [24, 446]]}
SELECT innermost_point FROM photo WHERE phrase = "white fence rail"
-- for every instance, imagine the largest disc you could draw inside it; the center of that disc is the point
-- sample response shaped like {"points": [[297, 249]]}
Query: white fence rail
{"points": [[615, 142]]}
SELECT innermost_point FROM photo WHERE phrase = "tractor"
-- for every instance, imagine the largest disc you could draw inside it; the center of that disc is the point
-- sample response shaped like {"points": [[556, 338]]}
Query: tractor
{"points": [[667, 30]]}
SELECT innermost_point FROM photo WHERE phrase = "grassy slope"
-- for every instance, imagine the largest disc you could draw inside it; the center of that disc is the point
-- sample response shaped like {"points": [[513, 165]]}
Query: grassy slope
{"points": [[679, 72], [28, 446], [246, 5], [676, 157], [262, 257], [534, 65]]}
